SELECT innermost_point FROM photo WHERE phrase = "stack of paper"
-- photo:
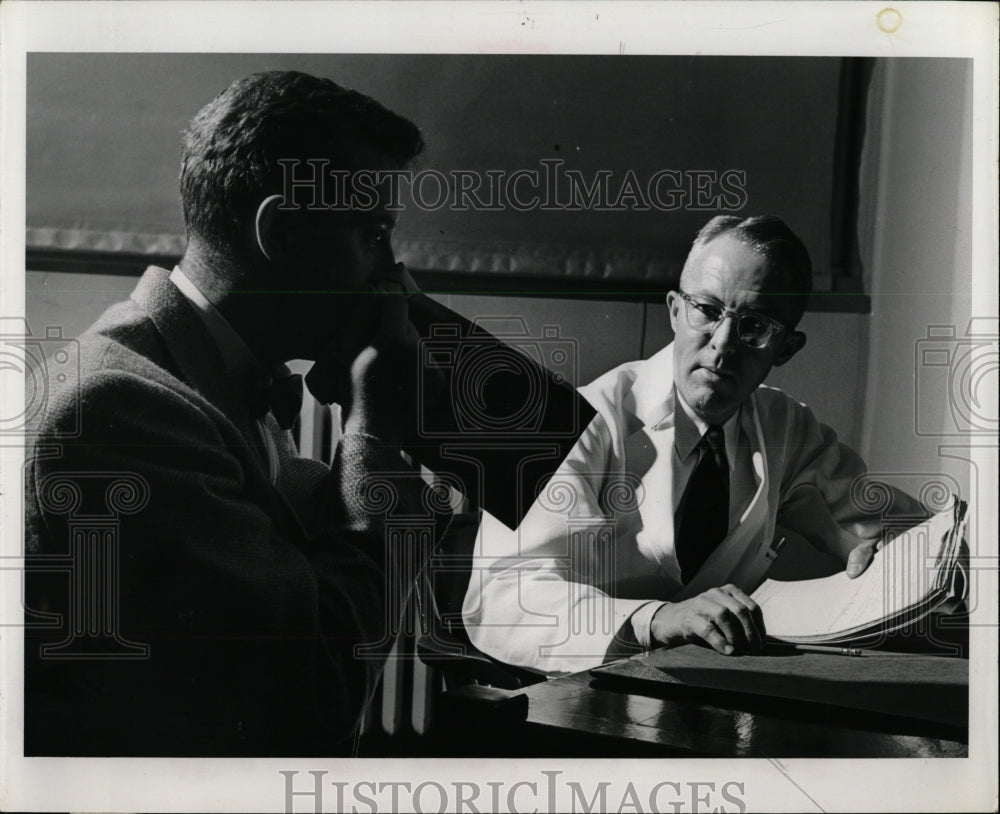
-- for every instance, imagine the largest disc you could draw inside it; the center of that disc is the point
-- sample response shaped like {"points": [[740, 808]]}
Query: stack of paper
{"points": [[916, 572]]}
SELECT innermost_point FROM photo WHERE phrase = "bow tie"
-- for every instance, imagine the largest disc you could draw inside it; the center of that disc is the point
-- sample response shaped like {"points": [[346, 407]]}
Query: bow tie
{"points": [[283, 397]]}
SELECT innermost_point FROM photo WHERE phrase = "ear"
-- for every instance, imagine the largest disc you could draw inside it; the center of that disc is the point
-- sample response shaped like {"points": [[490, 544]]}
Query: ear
{"points": [[793, 343], [271, 239], [673, 305]]}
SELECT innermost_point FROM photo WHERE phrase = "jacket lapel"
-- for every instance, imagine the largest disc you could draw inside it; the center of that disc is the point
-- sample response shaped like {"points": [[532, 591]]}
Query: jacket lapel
{"points": [[191, 346], [201, 366]]}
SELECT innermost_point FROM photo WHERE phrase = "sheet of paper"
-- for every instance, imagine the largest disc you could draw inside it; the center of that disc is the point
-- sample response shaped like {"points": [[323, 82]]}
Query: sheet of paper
{"points": [[901, 576]]}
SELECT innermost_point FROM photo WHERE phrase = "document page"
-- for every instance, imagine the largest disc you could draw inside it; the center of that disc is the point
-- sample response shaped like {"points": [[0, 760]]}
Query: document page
{"points": [[904, 581]]}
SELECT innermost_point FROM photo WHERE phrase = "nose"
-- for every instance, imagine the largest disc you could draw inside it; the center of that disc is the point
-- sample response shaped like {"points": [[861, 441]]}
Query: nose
{"points": [[725, 338]]}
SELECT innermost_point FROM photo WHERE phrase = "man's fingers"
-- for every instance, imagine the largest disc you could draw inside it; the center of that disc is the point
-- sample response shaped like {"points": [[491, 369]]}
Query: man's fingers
{"points": [[722, 618], [398, 280], [394, 324], [750, 615], [739, 619], [859, 559], [724, 612], [710, 632], [738, 616], [401, 274]]}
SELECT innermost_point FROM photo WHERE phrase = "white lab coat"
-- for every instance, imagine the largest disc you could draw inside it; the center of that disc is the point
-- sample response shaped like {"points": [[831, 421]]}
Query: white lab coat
{"points": [[555, 594]]}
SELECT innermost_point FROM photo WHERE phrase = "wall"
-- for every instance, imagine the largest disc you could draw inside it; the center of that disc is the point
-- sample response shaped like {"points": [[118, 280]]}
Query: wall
{"points": [[918, 195], [103, 150]]}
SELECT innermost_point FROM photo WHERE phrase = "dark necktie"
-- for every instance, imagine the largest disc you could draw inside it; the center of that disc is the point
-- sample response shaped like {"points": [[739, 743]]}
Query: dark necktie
{"points": [[283, 397], [702, 518]]}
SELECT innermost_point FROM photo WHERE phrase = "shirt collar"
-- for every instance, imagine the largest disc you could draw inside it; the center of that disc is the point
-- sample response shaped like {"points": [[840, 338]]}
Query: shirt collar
{"points": [[238, 358], [689, 429]]}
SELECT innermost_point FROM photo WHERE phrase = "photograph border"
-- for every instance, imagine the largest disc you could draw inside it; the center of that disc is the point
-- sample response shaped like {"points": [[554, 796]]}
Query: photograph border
{"points": [[967, 30]]}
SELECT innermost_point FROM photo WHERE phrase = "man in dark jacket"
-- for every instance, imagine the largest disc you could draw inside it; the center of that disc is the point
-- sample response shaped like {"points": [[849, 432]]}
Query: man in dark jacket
{"points": [[194, 587]]}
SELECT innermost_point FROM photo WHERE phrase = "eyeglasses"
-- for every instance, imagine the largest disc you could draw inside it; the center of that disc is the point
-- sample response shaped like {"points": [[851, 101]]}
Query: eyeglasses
{"points": [[754, 330]]}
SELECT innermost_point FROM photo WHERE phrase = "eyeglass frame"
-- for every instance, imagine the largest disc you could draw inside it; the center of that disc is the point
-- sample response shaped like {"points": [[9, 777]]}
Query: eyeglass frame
{"points": [[778, 327]]}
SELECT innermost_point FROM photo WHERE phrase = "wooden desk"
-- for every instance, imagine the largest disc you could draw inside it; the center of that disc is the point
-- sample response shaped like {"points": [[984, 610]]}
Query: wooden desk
{"points": [[579, 716]]}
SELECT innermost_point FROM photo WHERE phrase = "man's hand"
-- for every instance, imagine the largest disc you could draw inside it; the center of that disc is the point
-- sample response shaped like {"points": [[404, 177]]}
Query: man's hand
{"points": [[399, 279], [376, 387], [383, 377], [860, 557], [808, 515], [725, 619]]}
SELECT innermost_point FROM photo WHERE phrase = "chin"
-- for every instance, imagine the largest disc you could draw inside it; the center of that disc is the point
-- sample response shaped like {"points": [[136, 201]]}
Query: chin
{"points": [[711, 406]]}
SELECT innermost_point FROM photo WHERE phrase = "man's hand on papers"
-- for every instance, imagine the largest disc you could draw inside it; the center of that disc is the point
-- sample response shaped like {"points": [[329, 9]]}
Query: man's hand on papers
{"points": [[860, 558], [725, 619]]}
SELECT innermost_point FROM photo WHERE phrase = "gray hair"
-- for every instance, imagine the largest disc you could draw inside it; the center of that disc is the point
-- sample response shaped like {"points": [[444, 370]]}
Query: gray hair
{"points": [[769, 236]]}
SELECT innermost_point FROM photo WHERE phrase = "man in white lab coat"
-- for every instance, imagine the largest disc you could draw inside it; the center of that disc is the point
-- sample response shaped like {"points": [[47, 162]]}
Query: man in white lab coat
{"points": [[663, 517]]}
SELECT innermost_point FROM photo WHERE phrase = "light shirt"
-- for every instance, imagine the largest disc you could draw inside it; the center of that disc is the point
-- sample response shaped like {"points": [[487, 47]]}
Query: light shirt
{"points": [[239, 360]]}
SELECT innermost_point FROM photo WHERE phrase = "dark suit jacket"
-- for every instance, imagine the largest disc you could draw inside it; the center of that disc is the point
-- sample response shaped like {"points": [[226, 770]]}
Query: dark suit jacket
{"points": [[196, 612]]}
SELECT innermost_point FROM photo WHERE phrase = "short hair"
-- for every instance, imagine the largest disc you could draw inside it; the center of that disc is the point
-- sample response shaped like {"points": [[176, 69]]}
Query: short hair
{"points": [[769, 236], [229, 160]]}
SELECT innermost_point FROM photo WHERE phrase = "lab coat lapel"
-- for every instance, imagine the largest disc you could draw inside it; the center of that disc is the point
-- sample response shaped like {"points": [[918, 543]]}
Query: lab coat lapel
{"points": [[645, 450], [649, 450]]}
